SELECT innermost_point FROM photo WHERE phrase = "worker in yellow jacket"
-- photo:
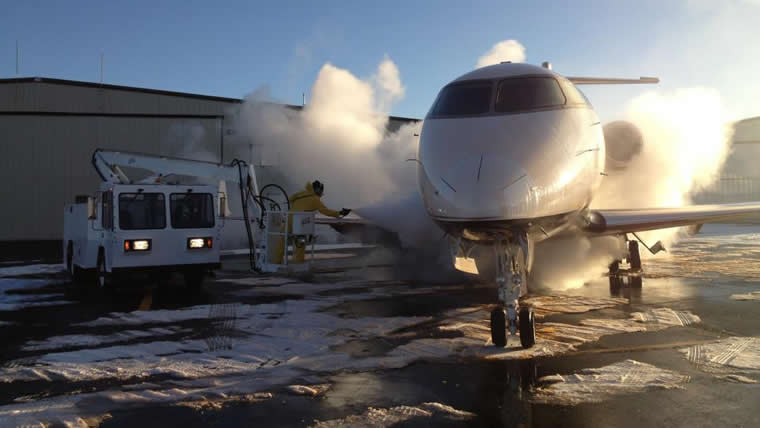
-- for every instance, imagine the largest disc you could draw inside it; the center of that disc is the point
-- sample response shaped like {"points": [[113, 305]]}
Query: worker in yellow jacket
{"points": [[307, 200]]}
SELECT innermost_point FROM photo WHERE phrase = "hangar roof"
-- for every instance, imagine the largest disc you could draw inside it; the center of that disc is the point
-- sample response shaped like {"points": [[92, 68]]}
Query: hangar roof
{"points": [[78, 83]]}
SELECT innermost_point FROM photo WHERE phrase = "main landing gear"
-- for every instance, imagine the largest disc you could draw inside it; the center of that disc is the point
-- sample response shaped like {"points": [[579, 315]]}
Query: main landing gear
{"points": [[511, 279], [633, 259]]}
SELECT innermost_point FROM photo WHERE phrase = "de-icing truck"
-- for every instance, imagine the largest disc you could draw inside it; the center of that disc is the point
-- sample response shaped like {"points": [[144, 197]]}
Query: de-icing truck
{"points": [[150, 226]]}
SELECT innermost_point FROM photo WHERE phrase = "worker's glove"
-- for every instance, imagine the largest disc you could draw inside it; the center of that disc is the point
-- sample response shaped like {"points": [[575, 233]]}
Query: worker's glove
{"points": [[344, 212]]}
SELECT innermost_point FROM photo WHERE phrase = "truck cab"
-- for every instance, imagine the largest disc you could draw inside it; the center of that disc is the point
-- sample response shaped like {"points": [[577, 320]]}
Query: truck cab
{"points": [[151, 228]]}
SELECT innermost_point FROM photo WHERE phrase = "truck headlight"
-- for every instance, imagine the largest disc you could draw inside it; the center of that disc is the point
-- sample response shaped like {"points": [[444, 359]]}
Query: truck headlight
{"points": [[137, 245], [195, 243]]}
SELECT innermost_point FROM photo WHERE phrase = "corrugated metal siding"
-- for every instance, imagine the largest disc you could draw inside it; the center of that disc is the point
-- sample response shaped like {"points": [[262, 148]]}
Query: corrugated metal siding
{"points": [[45, 161], [51, 97]]}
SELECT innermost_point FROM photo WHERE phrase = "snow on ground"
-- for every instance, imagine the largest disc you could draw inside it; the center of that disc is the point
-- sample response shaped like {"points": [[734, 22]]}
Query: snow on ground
{"points": [[552, 338], [730, 358], [10, 301], [728, 250], [598, 384], [431, 414], [569, 304], [272, 344], [87, 340], [16, 271]]}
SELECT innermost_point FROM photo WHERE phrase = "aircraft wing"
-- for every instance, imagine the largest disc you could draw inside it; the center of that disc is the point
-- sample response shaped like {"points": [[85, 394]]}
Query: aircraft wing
{"points": [[611, 81], [609, 222]]}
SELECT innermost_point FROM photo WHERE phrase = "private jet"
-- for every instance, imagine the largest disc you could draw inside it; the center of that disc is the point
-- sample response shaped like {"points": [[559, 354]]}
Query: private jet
{"points": [[513, 154]]}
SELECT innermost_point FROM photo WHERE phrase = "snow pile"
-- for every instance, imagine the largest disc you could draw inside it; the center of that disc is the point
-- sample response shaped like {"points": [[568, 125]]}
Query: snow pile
{"points": [[429, 414], [597, 385]]}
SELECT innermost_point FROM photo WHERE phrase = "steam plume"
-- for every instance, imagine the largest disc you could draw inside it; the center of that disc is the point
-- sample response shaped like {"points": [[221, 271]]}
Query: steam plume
{"points": [[685, 146], [340, 137], [506, 50]]}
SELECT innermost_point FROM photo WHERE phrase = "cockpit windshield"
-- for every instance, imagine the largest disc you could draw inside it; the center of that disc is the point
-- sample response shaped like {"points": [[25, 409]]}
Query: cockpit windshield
{"points": [[513, 95], [528, 93], [464, 99]]}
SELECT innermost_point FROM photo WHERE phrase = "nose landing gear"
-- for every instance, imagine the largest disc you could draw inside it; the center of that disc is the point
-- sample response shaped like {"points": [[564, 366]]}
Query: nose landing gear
{"points": [[511, 276]]}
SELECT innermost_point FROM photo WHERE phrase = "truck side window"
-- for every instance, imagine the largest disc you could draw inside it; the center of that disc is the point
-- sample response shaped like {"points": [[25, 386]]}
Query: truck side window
{"points": [[107, 214]]}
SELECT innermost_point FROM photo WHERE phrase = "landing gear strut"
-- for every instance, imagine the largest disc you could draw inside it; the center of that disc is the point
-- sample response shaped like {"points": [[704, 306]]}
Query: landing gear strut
{"points": [[511, 279], [633, 258]]}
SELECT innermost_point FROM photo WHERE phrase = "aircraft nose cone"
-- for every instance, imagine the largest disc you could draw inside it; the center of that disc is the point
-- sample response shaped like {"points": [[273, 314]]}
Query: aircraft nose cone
{"points": [[483, 185]]}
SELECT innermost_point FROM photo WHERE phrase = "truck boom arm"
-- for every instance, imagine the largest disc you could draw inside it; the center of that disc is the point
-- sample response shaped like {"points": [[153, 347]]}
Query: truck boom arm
{"points": [[107, 162]]}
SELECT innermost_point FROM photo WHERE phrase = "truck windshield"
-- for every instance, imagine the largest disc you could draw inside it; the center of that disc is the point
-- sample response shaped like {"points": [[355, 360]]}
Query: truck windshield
{"points": [[192, 210], [142, 211]]}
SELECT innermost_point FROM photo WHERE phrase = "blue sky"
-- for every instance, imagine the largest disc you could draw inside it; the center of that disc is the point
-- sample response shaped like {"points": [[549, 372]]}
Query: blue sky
{"points": [[233, 48]]}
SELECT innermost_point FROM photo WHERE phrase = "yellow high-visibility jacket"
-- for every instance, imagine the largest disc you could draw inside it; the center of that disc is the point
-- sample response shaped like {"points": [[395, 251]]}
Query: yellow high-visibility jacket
{"points": [[307, 200]]}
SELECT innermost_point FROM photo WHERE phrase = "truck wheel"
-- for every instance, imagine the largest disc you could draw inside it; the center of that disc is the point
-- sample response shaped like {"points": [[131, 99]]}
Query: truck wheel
{"points": [[194, 279], [101, 275]]}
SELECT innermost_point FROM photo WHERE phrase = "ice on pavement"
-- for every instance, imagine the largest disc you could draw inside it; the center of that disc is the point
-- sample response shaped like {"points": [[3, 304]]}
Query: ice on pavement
{"points": [[429, 414], [736, 357], [753, 295], [599, 384]]}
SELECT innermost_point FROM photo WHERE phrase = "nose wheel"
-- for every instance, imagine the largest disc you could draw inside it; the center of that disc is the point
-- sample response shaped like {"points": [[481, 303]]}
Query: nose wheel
{"points": [[527, 327], [511, 276], [526, 324]]}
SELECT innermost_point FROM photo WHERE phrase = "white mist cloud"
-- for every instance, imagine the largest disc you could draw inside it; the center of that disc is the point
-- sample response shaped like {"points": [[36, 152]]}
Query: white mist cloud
{"points": [[339, 138], [388, 87], [685, 146], [506, 50]]}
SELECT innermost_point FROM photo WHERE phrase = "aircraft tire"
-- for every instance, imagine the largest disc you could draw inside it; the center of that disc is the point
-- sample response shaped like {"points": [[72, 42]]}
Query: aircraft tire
{"points": [[527, 327], [615, 267], [102, 281], [499, 327], [634, 258], [194, 280]]}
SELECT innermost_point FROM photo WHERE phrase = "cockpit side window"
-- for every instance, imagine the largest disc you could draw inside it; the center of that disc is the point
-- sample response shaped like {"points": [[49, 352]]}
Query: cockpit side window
{"points": [[574, 95], [528, 93], [464, 99]]}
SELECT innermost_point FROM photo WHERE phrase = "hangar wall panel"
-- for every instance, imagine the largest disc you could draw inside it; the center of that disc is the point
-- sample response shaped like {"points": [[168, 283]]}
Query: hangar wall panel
{"points": [[45, 161]]}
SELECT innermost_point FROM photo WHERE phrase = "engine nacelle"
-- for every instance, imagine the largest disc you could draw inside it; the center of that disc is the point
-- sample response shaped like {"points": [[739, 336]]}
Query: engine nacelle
{"points": [[623, 142]]}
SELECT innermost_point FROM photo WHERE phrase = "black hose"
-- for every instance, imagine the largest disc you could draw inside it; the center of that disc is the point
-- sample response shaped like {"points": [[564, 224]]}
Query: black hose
{"points": [[244, 200], [284, 193], [273, 204]]}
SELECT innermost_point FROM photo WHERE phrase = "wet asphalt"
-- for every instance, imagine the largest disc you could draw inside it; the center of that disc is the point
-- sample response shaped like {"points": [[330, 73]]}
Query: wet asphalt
{"points": [[497, 392]]}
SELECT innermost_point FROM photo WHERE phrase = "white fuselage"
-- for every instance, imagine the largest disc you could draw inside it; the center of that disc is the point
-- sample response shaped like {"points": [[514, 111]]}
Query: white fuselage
{"points": [[511, 166]]}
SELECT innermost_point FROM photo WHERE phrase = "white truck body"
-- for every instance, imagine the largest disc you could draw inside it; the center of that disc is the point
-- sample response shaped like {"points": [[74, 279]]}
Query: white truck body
{"points": [[166, 216]]}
